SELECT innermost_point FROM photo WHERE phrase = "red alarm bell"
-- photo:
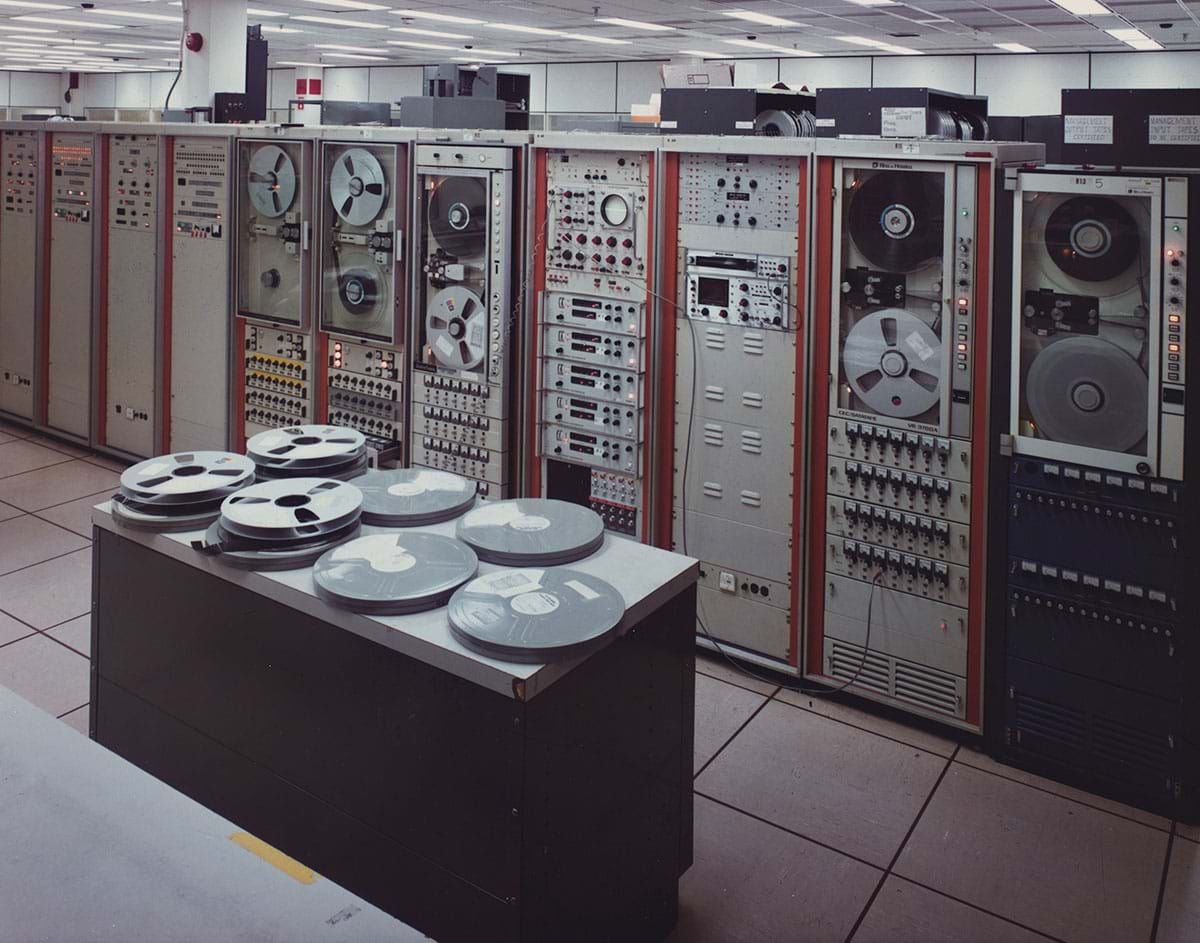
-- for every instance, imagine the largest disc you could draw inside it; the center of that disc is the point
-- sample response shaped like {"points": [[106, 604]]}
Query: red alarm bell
{"points": [[194, 42]]}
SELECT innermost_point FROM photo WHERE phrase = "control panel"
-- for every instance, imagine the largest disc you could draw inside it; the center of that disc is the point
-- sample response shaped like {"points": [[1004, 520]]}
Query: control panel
{"points": [[1175, 300], [19, 162], [592, 373], [277, 375], [201, 206], [131, 306], [365, 392], [457, 426], [69, 309], [739, 192], [726, 287]]}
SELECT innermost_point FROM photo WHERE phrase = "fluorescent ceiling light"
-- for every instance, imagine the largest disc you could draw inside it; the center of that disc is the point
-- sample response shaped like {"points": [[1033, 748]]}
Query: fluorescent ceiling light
{"points": [[875, 3], [1133, 37], [73, 24], [256, 11], [348, 4], [635, 24], [765, 18], [33, 6], [25, 29], [135, 46], [272, 28], [303, 65], [1083, 7], [354, 55], [532, 30], [336, 21], [437, 17], [345, 48], [476, 53], [604, 40], [702, 54], [436, 34], [136, 15], [769, 47], [1014, 47], [879, 44], [412, 43]]}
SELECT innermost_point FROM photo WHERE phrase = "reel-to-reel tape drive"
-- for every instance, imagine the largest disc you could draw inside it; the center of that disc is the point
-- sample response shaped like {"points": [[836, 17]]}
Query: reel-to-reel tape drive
{"points": [[274, 228], [363, 208], [1086, 339], [462, 311], [361, 236], [900, 484], [891, 357]]}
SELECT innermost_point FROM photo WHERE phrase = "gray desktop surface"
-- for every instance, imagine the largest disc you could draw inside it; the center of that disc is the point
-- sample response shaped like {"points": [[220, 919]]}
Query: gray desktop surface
{"points": [[97, 851]]}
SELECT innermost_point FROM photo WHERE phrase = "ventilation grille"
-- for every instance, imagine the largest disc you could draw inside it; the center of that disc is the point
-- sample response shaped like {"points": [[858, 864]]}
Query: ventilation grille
{"points": [[715, 394], [714, 338], [1123, 745], [1137, 757], [754, 344], [921, 686], [752, 400]]}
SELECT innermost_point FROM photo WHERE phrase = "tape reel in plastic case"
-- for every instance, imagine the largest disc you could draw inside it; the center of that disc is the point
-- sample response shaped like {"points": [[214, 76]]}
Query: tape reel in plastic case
{"points": [[358, 269], [456, 315]]}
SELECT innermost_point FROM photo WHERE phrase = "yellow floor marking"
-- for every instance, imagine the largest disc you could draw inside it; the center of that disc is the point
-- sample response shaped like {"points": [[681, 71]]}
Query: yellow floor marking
{"points": [[273, 856]]}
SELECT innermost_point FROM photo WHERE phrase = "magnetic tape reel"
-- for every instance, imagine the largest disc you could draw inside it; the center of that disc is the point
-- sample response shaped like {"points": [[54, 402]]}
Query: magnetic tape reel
{"points": [[1087, 391], [358, 187], [458, 216], [1089, 245], [456, 326], [897, 220], [305, 451], [183, 491], [892, 360], [775, 123], [271, 181], [284, 524], [362, 290]]}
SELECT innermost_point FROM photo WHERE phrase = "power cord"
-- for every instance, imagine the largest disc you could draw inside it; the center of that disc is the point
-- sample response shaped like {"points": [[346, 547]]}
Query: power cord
{"points": [[178, 71]]}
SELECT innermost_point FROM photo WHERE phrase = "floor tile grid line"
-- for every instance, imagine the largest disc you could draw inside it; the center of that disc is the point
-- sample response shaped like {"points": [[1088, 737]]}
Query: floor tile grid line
{"points": [[1162, 885], [983, 910], [17, 432], [56, 556], [49, 628], [32, 631], [1178, 834], [789, 831], [73, 651], [1059, 795], [73, 709], [731, 737], [45, 520], [896, 857], [716, 677], [840, 720], [51, 507], [66, 458]]}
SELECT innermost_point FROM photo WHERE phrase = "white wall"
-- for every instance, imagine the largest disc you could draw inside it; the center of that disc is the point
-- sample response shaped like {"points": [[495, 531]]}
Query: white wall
{"points": [[1146, 70], [347, 85], [581, 87], [392, 84], [1028, 85], [946, 73], [848, 72]]}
